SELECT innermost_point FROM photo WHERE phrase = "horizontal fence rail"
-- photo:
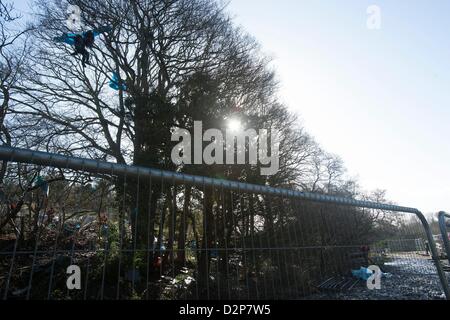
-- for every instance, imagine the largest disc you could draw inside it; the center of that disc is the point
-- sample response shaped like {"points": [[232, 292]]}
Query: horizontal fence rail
{"points": [[43, 158], [444, 225], [138, 232]]}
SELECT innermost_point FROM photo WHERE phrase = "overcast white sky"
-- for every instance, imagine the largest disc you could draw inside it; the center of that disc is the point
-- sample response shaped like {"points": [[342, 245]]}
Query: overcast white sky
{"points": [[378, 98]]}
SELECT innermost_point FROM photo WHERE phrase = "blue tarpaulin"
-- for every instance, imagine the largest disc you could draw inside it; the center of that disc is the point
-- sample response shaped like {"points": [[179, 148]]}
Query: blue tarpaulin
{"points": [[362, 273]]}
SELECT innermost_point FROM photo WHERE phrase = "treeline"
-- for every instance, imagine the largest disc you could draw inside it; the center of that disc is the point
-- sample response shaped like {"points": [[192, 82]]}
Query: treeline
{"points": [[181, 61]]}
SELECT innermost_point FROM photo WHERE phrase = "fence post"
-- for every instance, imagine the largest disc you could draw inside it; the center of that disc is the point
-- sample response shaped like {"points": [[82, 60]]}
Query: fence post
{"points": [[434, 254], [443, 227]]}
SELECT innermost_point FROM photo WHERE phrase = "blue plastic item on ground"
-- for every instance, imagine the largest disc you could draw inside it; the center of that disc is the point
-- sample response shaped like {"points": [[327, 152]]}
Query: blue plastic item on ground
{"points": [[362, 273]]}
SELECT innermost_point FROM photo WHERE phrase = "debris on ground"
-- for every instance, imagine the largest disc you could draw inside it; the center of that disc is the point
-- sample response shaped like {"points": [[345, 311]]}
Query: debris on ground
{"points": [[338, 284], [410, 278]]}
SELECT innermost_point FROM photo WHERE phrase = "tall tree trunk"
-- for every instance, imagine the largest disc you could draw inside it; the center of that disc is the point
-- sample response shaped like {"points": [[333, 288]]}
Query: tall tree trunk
{"points": [[4, 130]]}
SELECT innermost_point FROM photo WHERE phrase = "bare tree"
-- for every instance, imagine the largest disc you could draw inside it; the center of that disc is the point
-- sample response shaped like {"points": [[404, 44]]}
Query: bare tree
{"points": [[13, 54]]}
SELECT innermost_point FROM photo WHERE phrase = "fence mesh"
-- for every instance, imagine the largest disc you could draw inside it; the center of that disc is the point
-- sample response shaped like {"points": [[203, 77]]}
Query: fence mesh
{"points": [[443, 239], [147, 237]]}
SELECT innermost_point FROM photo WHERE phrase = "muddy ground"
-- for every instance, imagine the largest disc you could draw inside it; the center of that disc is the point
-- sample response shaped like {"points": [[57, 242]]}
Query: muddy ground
{"points": [[410, 277]]}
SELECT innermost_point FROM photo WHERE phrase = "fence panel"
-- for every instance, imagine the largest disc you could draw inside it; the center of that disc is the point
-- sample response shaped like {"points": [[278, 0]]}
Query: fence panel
{"points": [[140, 233], [444, 226]]}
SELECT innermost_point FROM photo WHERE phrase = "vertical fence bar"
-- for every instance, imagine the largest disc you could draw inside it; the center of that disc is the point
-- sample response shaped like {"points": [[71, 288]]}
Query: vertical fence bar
{"points": [[443, 227], [435, 256]]}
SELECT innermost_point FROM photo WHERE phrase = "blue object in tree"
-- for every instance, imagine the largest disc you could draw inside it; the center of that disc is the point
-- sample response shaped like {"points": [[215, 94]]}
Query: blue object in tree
{"points": [[70, 38], [81, 41], [116, 83]]}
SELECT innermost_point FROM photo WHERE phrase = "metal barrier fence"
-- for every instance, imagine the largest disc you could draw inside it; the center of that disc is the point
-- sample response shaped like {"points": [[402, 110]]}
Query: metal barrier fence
{"points": [[444, 226], [141, 233]]}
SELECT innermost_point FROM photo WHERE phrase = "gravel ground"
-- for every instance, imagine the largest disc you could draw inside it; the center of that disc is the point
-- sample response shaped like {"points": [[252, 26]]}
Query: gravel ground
{"points": [[411, 277]]}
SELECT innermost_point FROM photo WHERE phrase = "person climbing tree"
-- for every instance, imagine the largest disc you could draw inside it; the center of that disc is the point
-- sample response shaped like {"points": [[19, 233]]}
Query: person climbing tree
{"points": [[82, 41]]}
